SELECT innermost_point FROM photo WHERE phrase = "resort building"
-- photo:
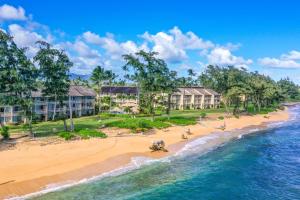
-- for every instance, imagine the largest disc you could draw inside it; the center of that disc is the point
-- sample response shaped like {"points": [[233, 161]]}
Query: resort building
{"points": [[122, 96], [82, 103], [183, 98], [195, 98]]}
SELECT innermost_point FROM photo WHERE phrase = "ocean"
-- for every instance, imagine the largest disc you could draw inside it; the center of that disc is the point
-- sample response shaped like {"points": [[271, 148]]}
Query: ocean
{"points": [[232, 165]]}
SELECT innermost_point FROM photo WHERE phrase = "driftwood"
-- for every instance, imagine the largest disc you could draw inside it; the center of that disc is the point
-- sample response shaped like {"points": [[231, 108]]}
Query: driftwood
{"points": [[184, 137], [188, 131], [158, 145]]}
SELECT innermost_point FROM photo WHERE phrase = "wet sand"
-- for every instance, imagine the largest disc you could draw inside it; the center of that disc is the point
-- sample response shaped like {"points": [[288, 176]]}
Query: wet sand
{"points": [[31, 168]]}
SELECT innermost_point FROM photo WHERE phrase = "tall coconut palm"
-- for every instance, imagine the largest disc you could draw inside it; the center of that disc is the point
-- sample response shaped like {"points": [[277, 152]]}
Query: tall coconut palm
{"points": [[110, 76], [99, 75]]}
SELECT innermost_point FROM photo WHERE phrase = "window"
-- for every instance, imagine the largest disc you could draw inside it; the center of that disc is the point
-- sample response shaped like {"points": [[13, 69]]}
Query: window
{"points": [[16, 108]]}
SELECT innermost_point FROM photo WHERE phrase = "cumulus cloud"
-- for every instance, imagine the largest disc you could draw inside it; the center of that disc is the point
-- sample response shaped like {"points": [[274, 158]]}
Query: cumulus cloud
{"points": [[26, 38], [8, 12], [112, 47], [83, 56], [223, 57], [285, 61], [172, 45]]}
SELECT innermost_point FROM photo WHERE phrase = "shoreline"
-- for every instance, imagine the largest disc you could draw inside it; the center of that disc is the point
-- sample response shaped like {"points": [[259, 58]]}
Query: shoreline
{"points": [[74, 161]]}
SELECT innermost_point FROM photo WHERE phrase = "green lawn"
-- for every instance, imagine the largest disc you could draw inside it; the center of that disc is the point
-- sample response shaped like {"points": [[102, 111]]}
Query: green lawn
{"points": [[141, 122]]}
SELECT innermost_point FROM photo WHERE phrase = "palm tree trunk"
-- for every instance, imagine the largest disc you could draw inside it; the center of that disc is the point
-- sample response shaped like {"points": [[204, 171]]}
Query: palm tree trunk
{"points": [[110, 97], [169, 106], [71, 115], [65, 121], [54, 111], [99, 99]]}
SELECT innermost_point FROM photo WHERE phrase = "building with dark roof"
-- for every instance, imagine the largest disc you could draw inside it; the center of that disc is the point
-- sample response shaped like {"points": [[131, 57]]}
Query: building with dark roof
{"points": [[182, 98], [81, 99]]}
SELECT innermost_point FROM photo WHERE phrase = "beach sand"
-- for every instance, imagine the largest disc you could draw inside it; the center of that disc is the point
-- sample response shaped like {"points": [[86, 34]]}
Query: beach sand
{"points": [[30, 168]]}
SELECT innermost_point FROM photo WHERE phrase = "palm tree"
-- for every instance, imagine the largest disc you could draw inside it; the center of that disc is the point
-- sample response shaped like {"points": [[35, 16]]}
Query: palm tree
{"points": [[98, 76], [110, 76]]}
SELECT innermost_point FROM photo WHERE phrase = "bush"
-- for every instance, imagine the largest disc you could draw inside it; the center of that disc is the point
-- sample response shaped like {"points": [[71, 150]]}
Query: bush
{"points": [[5, 132], [66, 135], [137, 123], [88, 133], [221, 118], [179, 120], [203, 115], [236, 116]]}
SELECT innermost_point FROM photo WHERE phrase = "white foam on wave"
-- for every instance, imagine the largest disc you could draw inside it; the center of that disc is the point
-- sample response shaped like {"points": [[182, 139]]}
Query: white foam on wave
{"points": [[136, 163], [60, 186], [200, 145]]}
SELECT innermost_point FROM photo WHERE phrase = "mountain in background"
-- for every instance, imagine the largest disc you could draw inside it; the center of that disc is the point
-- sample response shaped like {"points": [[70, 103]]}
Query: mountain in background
{"points": [[83, 77]]}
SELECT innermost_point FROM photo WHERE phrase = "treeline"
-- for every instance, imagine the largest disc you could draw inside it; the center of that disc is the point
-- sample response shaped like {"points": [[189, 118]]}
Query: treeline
{"points": [[20, 76], [239, 86], [49, 71]]}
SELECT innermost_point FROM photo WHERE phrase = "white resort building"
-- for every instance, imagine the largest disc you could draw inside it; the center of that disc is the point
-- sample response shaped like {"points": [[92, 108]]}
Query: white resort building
{"points": [[183, 98], [195, 98], [82, 103]]}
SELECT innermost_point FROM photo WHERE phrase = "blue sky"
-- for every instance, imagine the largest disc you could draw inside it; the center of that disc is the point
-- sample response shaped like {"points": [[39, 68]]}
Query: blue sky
{"points": [[260, 35]]}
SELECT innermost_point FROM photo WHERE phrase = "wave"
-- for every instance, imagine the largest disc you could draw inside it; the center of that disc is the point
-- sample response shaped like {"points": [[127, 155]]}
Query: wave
{"points": [[199, 145]]}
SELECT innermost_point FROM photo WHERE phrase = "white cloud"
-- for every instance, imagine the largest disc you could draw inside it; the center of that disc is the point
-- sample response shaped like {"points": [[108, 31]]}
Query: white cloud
{"points": [[83, 56], [287, 61], [25, 38], [223, 57], [8, 12], [172, 46], [292, 55], [112, 47], [278, 63]]}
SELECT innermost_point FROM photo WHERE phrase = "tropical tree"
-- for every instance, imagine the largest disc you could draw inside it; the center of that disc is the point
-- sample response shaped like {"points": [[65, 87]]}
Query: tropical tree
{"points": [[54, 69], [149, 73], [169, 86], [99, 75], [80, 81], [237, 85], [18, 77], [110, 77], [289, 89]]}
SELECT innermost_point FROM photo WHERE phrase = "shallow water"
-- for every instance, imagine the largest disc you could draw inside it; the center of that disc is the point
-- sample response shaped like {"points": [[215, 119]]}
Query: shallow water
{"points": [[262, 165]]}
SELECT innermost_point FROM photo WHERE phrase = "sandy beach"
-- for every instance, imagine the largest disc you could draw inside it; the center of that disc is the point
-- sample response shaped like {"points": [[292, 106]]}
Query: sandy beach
{"points": [[30, 168]]}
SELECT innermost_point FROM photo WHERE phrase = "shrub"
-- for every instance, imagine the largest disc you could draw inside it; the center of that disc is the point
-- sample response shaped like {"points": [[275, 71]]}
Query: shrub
{"points": [[5, 132], [87, 133], [179, 120], [66, 135], [221, 118], [137, 123], [203, 115]]}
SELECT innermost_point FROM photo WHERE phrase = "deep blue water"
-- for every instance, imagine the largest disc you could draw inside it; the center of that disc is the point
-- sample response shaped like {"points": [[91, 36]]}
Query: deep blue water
{"points": [[264, 165]]}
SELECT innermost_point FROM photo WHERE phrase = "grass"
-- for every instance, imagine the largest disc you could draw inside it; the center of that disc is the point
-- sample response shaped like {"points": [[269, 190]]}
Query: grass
{"points": [[179, 120], [136, 124], [66, 135], [140, 123], [221, 117], [84, 134], [88, 133]]}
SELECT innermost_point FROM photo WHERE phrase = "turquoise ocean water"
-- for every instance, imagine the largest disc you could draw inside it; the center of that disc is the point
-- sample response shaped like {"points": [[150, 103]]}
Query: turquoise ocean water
{"points": [[261, 165]]}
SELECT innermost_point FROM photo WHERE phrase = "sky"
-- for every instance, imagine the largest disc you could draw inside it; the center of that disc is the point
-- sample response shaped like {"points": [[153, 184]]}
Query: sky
{"points": [[260, 35]]}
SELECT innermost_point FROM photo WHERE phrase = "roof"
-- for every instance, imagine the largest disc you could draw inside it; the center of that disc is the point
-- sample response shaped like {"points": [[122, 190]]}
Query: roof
{"points": [[74, 90], [195, 91], [119, 89]]}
